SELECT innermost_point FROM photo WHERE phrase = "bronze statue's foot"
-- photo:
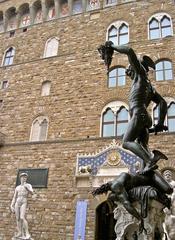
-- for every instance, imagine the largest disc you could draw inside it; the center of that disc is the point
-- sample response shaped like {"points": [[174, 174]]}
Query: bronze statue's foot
{"points": [[152, 164], [157, 156]]}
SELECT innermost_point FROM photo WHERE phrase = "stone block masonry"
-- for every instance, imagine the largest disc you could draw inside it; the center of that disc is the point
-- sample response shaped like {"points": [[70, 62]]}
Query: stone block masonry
{"points": [[78, 94]]}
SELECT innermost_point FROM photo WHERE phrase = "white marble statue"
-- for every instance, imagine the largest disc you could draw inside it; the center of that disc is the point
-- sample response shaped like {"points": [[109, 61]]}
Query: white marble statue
{"points": [[19, 205], [169, 224], [169, 178]]}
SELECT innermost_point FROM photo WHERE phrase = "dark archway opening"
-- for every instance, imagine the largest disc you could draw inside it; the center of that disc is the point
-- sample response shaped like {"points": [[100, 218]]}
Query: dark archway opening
{"points": [[105, 222]]}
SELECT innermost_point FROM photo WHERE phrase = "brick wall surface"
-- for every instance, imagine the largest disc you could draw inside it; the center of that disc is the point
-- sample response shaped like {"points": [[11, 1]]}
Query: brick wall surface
{"points": [[78, 94]]}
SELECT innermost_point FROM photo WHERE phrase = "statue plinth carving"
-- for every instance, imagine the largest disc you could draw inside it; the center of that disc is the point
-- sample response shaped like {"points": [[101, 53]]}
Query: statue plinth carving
{"points": [[127, 227]]}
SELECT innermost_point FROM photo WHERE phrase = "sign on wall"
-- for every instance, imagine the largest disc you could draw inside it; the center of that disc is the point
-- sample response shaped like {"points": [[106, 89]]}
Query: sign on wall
{"points": [[80, 220], [37, 177]]}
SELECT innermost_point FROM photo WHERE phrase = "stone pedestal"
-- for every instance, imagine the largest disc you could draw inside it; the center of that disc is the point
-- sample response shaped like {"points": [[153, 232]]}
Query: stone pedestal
{"points": [[127, 226]]}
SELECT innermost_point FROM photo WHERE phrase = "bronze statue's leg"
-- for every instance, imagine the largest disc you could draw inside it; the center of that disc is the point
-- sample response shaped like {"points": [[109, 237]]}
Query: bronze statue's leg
{"points": [[124, 199], [161, 184], [134, 131], [144, 138]]}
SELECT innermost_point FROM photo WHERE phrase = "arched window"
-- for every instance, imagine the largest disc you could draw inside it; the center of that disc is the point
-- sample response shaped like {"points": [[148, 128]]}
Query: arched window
{"points": [[24, 15], [123, 34], [118, 33], [77, 6], [113, 35], [160, 26], [51, 47], [50, 9], [121, 121], [117, 77], [39, 129], [108, 123], [45, 89], [37, 9], [166, 26], [11, 19], [164, 70], [64, 7], [170, 118], [114, 119], [9, 56]]}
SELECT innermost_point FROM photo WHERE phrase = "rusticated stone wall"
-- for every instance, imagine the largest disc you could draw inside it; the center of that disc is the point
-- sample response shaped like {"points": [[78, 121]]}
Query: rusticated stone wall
{"points": [[78, 94]]}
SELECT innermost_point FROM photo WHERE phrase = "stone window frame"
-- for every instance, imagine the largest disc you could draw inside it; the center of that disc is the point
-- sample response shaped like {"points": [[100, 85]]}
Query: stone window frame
{"points": [[117, 24], [163, 69], [116, 107], [40, 120], [4, 84], [42, 88], [159, 17], [113, 68], [169, 101], [46, 46], [5, 56]]}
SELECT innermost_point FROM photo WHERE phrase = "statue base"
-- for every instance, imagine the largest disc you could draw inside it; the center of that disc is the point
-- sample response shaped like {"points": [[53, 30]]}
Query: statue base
{"points": [[127, 226]]}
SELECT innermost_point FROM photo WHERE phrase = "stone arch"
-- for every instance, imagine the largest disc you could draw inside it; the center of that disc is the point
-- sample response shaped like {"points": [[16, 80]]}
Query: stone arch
{"points": [[24, 15], [37, 14], [50, 9], [11, 19]]}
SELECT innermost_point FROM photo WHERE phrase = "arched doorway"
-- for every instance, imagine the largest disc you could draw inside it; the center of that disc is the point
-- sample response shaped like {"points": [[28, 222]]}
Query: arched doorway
{"points": [[105, 222]]}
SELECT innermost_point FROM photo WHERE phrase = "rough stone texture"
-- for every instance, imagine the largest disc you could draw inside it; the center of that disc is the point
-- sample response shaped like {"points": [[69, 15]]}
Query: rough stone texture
{"points": [[126, 225], [78, 94]]}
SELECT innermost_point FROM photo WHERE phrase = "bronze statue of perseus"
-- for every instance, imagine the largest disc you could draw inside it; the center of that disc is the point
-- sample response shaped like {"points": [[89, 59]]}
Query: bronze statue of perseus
{"points": [[141, 95]]}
